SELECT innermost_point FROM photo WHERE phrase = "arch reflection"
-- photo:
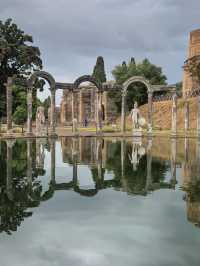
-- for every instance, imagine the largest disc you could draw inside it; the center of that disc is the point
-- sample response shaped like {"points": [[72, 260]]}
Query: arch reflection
{"points": [[130, 165]]}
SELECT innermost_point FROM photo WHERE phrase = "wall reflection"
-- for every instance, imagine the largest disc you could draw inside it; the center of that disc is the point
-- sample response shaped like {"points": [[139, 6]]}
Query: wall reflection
{"points": [[191, 181], [137, 166]]}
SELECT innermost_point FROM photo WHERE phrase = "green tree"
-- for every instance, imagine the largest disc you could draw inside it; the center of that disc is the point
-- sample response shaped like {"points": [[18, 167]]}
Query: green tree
{"points": [[136, 92], [99, 70], [20, 116], [17, 57]]}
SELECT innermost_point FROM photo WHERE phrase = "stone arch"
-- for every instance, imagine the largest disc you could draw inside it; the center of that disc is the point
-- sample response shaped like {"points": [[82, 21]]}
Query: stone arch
{"points": [[78, 81], [86, 78], [135, 79], [49, 78], [45, 75], [125, 86]]}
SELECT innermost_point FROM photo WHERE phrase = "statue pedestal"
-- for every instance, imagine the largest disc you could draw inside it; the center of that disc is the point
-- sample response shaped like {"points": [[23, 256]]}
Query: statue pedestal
{"points": [[137, 132], [41, 132]]}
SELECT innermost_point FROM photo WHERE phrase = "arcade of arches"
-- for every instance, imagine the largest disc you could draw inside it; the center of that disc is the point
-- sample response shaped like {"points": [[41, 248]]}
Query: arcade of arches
{"points": [[91, 102], [97, 108]]}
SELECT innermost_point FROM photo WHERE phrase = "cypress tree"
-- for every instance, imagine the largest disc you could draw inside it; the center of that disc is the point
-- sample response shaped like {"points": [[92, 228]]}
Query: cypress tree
{"points": [[99, 71]]}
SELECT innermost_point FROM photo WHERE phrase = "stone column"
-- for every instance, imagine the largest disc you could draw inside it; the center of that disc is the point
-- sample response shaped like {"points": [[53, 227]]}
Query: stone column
{"points": [[29, 111], [29, 162], [81, 107], [53, 110], [149, 164], [53, 161], [93, 111], [106, 106], [173, 161], [198, 116], [186, 111], [150, 112], [99, 111], [174, 115], [73, 115], [9, 181], [123, 118], [9, 104]]}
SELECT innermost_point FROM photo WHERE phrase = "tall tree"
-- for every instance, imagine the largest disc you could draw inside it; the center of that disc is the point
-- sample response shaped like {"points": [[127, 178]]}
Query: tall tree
{"points": [[99, 70], [17, 57], [136, 92]]}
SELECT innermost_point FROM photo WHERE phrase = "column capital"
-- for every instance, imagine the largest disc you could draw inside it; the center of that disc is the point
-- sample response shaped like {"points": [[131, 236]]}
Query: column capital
{"points": [[150, 93]]}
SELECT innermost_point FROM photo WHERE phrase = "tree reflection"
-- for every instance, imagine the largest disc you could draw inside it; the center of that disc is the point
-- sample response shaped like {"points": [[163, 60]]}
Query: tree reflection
{"points": [[131, 165], [14, 206]]}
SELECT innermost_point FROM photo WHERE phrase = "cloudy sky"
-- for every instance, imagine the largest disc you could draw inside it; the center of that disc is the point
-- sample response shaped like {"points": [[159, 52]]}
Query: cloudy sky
{"points": [[71, 34]]}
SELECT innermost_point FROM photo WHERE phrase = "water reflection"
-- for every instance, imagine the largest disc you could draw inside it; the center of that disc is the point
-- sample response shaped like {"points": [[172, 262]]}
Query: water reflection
{"points": [[191, 183], [135, 166]]}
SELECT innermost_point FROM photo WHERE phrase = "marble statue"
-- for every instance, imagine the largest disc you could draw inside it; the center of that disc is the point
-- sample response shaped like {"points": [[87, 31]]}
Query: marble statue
{"points": [[135, 115], [40, 122], [137, 120]]}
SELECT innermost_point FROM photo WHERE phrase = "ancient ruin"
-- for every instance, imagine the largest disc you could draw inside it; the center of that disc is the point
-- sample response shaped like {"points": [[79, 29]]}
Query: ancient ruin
{"points": [[86, 103], [191, 79], [85, 106]]}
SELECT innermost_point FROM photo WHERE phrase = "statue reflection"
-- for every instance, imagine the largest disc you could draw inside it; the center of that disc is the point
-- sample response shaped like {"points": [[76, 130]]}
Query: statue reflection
{"points": [[137, 152], [40, 156]]}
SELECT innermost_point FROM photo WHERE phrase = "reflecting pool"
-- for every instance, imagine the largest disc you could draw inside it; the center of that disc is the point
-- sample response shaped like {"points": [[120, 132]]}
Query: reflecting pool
{"points": [[100, 201]]}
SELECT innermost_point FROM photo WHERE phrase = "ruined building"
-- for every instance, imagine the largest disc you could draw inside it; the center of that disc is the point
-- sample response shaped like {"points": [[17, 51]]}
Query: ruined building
{"points": [[85, 106], [191, 79]]}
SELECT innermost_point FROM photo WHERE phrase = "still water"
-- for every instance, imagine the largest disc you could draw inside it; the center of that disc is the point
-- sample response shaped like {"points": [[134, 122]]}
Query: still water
{"points": [[93, 201]]}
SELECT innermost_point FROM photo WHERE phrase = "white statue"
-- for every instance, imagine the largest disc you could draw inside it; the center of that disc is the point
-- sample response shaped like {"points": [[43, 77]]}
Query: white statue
{"points": [[40, 121], [135, 115], [137, 120]]}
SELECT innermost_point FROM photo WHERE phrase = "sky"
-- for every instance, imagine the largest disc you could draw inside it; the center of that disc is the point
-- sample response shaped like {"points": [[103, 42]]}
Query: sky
{"points": [[71, 34]]}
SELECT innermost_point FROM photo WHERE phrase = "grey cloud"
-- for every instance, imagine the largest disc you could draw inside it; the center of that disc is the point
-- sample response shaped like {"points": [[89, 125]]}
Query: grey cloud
{"points": [[71, 34]]}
